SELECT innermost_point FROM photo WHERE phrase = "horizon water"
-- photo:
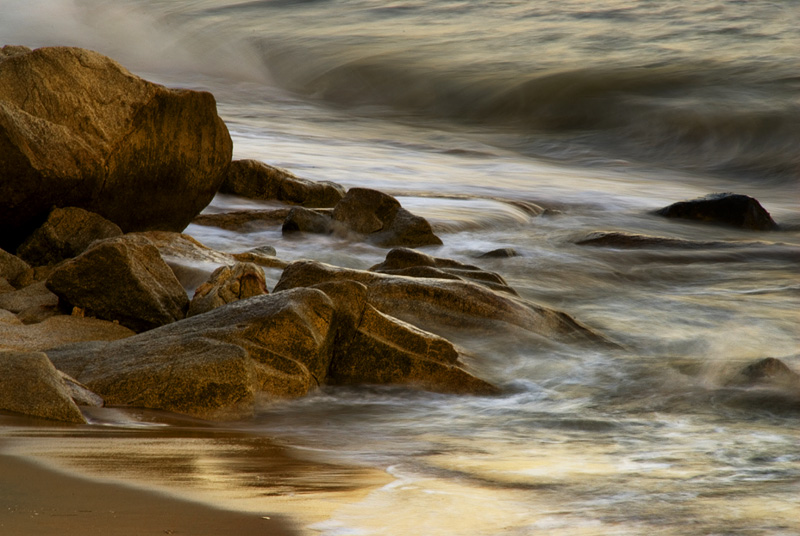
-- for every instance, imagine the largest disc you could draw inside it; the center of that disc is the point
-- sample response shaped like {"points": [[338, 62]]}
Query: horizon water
{"points": [[471, 112]]}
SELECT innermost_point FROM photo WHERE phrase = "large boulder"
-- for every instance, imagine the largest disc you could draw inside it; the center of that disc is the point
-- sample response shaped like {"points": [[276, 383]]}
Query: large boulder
{"points": [[123, 279], [736, 210], [413, 263], [380, 218], [442, 304], [77, 129], [257, 180], [228, 284], [279, 344], [30, 384], [66, 234]]}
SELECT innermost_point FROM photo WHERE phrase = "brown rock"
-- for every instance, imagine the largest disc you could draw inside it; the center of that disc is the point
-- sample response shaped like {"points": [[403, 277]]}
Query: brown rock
{"points": [[726, 208], [770, 371], [123, 279], [29, 384], [66, 234], [242, 220], [12, 268], [380, 217], [77, 129], [217, 360], [34, 302], [228, 284], [256, 180]]}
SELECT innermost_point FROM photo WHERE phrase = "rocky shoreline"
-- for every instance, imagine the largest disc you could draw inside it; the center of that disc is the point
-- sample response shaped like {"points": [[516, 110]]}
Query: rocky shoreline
{"points": [[100, 173]]}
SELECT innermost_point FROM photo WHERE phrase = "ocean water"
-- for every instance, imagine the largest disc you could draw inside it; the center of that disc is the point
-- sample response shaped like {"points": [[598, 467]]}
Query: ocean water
{"points": [[471, 113]]}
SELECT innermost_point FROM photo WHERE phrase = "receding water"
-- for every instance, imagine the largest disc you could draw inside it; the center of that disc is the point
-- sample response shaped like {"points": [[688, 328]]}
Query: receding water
{"points": [[475, 114]]}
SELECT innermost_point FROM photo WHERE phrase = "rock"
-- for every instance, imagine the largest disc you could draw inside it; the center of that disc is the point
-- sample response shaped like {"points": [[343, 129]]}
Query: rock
{"points": [[29, 384], [304, 220], [12, 267], [217, 360], [77, 129], [244, 220], [440, 304], [380, 217], [228, 284], [256, 180], [81, 394], [384, 350], [33, 301], [725, 208], [500, 253], [615, 239], [58, 331], [66, 234], [411, 263], [770, 371], [123, 279]]}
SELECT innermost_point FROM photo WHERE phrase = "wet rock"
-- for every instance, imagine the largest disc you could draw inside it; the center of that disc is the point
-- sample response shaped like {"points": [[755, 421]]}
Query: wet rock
{"points": [[724, 208], [228, 284], [242, 220], [123, 279], [77, 129], [256, 180], [387, 351], [439, 303], [500, 253], [12, 268], [615, 239], [66, 234], [412, 263], [58, 331], [221, 359], [770, 371], [30, 384], [303, 220], [382, 220]]}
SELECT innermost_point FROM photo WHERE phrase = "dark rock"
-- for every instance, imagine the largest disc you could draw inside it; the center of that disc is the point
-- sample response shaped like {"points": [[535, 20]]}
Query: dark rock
{"points": [[614, 239], [725, 208], [12, 268], [77, 129], [256, 180], [439, 303], [275, 344], [380, 217], [304, 220], [770, 371], [123, 279], [30, 384], [500, 253], [411, 263], [228, 284], [66, 234]]}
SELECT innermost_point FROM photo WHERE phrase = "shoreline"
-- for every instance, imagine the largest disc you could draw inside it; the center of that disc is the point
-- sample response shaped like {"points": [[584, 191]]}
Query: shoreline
{"points": [[38, 501]]}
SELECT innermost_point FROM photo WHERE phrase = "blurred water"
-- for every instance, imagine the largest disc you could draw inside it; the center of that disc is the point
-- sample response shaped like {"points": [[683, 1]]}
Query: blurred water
{"points": [[473, 113]]}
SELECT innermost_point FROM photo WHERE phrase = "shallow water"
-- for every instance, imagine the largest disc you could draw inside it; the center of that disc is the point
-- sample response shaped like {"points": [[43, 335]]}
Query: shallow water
{"points": [[475, 114]]}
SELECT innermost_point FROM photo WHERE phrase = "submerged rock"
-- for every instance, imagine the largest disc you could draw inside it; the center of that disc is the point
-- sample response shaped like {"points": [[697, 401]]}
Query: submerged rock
{"points": [[616, 239], [303, 220], [77, 129], [66, 234], [30, 384], [500, 253], [257, 180], [228, 284], [380, 218], [441, 303], [412, 263], [770, 371], [123, 279], [725, 208]]}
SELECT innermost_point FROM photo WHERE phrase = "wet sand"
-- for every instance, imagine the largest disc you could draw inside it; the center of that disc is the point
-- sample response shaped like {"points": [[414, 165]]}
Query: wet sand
{"points": [[37, 501]]}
